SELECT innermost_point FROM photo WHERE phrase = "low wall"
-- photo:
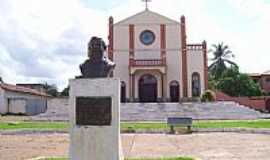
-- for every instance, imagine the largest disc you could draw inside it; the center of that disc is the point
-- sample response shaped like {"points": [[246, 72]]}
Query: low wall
{"points": [[58, 102], [258, 103]]}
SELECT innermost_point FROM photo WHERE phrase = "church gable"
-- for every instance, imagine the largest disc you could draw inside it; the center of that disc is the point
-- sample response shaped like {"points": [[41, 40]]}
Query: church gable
{"points": [[147, 17], [154, 60]]}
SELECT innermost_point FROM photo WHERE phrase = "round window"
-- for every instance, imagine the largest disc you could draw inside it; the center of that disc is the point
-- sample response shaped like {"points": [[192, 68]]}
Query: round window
{"points": [[147, 37]]}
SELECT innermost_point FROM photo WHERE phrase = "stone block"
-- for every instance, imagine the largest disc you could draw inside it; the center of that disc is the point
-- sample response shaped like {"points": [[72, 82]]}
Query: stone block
{"points": [[90, 139]]}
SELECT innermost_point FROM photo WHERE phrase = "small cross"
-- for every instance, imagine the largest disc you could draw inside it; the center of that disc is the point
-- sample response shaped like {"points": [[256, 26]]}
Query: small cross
{"points": [[146, 3]]}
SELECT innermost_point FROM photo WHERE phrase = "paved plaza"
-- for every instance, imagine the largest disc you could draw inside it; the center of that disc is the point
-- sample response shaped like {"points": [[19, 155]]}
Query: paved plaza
{"points": [[206, 146]]}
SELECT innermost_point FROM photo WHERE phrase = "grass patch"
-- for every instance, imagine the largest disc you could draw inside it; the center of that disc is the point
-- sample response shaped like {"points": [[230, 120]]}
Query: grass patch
{"points": [[55, 159], [178, 158], [33, 126], [233, 124], [203, 124], [143, 125], [63, 126]]}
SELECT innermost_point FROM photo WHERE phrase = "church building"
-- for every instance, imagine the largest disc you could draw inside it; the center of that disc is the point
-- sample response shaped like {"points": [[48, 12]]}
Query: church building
{"points": [[154, 61]]}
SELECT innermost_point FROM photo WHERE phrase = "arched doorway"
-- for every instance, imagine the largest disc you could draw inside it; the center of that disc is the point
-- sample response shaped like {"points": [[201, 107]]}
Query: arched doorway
{"points": [[196, 85], [123, 91], [174, 91], [148, 88]]}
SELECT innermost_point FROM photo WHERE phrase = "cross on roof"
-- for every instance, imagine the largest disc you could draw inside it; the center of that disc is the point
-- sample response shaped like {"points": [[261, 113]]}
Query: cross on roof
{"points": [[146, 3]]}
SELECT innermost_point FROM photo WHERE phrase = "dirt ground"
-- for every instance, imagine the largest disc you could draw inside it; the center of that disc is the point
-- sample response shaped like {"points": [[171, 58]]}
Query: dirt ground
{"points": [[206, 146]]}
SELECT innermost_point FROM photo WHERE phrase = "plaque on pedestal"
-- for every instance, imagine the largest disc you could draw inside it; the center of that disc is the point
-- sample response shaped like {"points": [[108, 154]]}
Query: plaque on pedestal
{"points": [[93, 111]]}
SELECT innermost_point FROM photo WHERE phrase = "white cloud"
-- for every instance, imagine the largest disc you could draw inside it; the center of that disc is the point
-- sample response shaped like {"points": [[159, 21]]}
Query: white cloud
{"points": [[45, 40]]}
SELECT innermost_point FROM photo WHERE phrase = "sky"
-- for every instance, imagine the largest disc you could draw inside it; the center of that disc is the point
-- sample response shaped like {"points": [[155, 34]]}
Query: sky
{"points": [[45, 40]]}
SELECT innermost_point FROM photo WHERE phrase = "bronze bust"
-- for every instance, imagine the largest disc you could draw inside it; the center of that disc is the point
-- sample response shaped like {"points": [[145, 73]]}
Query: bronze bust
{"points": [[97, 65]]}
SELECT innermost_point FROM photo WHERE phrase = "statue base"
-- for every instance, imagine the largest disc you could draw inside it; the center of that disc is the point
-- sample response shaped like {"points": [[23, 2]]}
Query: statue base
{"points": [[95, 119]]}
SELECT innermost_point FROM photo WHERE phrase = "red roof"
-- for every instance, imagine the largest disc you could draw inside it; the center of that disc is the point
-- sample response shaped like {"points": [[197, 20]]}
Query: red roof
{"points": [[14, 88], [266, 73], [254, 74]]}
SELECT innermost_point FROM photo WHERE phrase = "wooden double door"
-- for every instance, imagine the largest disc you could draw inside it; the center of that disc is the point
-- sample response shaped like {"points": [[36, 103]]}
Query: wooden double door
{"points": [[148, 88]]}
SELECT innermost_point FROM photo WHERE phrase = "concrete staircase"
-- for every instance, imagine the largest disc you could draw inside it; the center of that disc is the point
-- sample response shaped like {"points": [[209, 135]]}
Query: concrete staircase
{"points": [[58, 111], [160, 111]]}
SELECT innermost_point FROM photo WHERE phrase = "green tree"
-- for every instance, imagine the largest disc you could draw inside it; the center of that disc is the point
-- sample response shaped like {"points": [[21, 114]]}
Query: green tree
{"points": [[222, 55], [234, 83], [65, 91], [51, 89]]}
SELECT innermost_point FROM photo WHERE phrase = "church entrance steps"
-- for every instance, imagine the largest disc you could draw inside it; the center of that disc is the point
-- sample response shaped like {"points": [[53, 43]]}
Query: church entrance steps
{"points": [[58, 111], [160, 111]]}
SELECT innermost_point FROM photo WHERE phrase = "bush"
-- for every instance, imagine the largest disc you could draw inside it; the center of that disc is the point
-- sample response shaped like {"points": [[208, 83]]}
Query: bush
{"points": [[208, 96]]}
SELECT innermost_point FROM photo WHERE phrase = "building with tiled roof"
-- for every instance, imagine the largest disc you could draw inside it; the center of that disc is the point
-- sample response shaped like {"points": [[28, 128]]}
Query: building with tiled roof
{"points": [[21, 100], [263, 79], [36, 86]]}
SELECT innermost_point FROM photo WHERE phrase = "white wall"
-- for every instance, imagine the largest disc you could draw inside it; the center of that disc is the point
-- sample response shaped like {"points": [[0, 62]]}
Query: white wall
{"points": [[195, 61], [17, 106], [3, 105], [146, 17], [174, 70], [148, 20], [173, 37], [174, 56], [147, 51], [122, 68], [58, 102], [18, 95], [121, 54], [121, 38]]}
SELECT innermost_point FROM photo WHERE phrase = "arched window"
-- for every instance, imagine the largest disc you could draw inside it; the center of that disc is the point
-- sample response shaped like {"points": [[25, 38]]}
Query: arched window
{"points": [[196, 85], [174, 91], [123, 92]]}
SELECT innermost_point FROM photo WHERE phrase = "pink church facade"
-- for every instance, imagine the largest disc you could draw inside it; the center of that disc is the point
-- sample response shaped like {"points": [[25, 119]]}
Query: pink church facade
{"points": [[154, 61]]}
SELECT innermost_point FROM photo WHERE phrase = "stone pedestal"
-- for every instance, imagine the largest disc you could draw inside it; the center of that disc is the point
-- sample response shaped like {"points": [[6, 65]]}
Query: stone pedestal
{"points": [[95, 131]]}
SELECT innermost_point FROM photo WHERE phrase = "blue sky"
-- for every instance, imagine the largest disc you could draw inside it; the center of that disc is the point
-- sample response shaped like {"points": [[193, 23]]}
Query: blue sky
{"points": [[45, 40]]}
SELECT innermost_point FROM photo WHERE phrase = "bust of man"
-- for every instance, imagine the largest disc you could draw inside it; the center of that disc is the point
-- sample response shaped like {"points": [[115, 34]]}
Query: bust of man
{"points": [[97, 65]]}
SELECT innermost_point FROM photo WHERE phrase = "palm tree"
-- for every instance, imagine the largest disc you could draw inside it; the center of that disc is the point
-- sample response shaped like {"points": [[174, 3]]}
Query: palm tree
{"points": [[222, 55]]}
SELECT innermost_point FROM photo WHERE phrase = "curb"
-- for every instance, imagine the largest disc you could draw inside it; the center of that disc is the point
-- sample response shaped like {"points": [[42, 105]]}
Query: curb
{"points": [[23, 132], [194, 130], [41, 158], [232, 130]]}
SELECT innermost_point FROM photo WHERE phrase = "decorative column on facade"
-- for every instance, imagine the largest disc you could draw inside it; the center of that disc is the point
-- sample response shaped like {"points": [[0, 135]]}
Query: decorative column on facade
{"points": [[184, 57], [131, 61], [205, 59], [110, 38], [164, 86], [163, 43], [163, 58]]}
